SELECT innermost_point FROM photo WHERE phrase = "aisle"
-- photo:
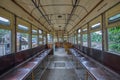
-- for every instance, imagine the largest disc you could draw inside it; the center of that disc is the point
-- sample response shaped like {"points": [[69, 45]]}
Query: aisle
{"points": [[60, 67]]}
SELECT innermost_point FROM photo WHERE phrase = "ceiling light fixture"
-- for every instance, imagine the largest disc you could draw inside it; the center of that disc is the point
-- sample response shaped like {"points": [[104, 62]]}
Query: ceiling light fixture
{"points": [[59, 16], [59, 26]]}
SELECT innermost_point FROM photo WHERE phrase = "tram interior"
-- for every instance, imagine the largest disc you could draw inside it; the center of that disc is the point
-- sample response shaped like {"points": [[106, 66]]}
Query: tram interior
{"points": [[59, 39]]}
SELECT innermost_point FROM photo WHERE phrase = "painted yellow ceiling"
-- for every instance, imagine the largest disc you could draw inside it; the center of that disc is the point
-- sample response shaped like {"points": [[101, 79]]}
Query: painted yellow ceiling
{"points": [[58, 15]]}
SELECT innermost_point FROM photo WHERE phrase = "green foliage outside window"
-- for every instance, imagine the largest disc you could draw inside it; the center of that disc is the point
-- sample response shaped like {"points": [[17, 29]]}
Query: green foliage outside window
{"points": [[84, 38], [96, 39], [114, 39], [3, 32]]}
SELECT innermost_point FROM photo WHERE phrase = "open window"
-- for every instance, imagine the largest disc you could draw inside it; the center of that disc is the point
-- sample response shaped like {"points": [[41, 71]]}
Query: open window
{"points": [[23, 31], [79, 36], [5, 33], [34, 37], [44, 38], [5, 41], [84, 36], [113, 29], [96, 33], [40, 37]]}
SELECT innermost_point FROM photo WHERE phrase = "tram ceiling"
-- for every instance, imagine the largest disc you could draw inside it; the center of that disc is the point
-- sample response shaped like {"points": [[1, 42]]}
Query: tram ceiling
{"points": [[53, 12]]}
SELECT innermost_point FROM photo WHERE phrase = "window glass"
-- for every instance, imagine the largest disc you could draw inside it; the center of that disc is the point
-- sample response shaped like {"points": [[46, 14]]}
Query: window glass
{"points": [[65, 38], [84, 38], [79, 35], [72, 40], [44, 40], [75, 39], [40, 36], [114, 18], [60, 40], [49, 36], [96, 40], [84, 30], [5, 42], [79, 30], [40, 39], [21, 27], [22, 41], [114, 39], [34, 38], [4, 21], [95, 26], [34, 31], [55, 39], [79, 39], [40, 31]]}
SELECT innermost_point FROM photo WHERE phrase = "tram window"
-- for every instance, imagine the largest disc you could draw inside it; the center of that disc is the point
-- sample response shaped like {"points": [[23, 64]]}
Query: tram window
{"points": [[95, 26], [5, 42], [21, 27], [4, 21], [79, 38], [40, 31], [79, 35], [22, 41], [55, 39], [114, 18], [40, 39], [22, 37], [40, 42], [50, 38], [75, 39], [84, 30], [96, 40], [84, 39], [34, 38], [114, 39], [44, 40], [79, 30]]}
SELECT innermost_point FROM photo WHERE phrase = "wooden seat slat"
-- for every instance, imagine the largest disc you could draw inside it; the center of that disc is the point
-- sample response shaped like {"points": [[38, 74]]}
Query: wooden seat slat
{"points": [[17, 74], [23, 70], [94, 69]]}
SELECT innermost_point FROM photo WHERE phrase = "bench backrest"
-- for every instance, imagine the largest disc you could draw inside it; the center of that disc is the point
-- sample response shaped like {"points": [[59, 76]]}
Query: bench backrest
{"points": [[7, 62]]}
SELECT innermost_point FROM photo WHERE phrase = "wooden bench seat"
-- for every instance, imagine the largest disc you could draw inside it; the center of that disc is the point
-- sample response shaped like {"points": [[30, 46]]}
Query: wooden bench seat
{"points": [[24, 69], [17, 74], [98, 72]]}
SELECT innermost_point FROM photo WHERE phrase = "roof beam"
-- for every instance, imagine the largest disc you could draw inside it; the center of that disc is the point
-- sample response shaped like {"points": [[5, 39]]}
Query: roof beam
{"points": [[72, 11], [37, 7], [87, 14], [30, 14]]}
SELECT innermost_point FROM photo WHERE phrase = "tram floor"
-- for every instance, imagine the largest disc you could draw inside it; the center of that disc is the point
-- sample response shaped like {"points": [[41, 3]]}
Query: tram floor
{"points": [[60, 67]]}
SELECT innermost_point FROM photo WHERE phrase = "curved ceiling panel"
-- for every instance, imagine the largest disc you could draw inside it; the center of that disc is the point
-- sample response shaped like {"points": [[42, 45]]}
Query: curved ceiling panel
{"points": [[69, 14]]}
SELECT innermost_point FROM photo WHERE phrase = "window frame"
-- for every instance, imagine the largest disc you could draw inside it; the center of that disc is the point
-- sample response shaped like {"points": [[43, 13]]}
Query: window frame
{"points": [[26, 24], [8, 16], [85, 32], [79, 38], [40, 39], [92, 30], [110, 13], [36, 34]]}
